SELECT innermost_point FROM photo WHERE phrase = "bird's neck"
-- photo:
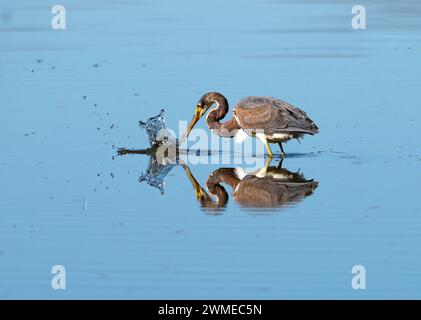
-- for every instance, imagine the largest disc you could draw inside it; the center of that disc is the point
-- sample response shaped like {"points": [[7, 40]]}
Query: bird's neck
{"points": [[223, 175], [226, 129]]}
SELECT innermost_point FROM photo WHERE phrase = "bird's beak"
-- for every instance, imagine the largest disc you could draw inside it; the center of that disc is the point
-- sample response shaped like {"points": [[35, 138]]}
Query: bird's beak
{"points": [[197, 115]]}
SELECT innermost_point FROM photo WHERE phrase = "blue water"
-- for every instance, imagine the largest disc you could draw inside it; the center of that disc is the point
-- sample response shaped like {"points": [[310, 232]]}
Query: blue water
{"points": [[70, 99]]}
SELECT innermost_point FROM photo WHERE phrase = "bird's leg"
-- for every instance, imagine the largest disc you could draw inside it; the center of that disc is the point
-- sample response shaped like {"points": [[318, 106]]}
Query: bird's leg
{"points": [[282, 150], [262, 172], [262, 138], [270, 154], [267, 163]]}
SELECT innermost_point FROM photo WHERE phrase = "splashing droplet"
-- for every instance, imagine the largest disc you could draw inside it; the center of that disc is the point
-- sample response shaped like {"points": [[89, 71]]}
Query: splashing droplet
{"points": [[155, 174], [156, 130]]}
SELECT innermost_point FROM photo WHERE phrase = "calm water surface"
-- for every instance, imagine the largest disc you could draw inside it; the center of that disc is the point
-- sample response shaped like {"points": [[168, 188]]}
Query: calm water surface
{"points": [[70, 99]]}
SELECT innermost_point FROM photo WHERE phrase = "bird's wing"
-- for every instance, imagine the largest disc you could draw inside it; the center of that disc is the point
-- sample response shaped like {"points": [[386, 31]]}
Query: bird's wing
{"points": [[272, 115]]}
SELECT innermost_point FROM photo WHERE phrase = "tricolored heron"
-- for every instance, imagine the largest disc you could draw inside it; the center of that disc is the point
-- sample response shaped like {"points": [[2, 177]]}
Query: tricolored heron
{"points": [[269, 119], [268, 187]]}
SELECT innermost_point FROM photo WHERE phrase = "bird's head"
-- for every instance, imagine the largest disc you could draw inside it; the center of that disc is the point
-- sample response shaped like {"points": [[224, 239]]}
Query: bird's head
{"points": [[203, 105]]}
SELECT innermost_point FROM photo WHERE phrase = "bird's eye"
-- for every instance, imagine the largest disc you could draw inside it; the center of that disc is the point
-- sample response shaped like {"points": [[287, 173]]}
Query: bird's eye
{"points": [[199, 105]]}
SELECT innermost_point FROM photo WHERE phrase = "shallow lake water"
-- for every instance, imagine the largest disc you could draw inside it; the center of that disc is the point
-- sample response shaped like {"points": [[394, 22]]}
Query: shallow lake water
{"points": [[71, 98]]}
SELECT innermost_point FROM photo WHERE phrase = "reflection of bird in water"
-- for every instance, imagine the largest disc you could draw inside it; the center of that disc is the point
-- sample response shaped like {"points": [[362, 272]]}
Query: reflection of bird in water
{"points": [[269, 119], [269, 187]]}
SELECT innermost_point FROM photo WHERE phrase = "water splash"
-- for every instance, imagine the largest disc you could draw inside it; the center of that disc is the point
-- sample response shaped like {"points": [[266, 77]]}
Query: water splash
{"points": [[155, 174], [158, 135], [156, 130]]}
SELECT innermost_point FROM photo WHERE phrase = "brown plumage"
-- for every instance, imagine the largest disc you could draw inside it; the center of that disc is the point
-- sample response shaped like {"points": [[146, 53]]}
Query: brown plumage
{"points": [[269, 119], [272, 115], [270, 187], [270, 193]]}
